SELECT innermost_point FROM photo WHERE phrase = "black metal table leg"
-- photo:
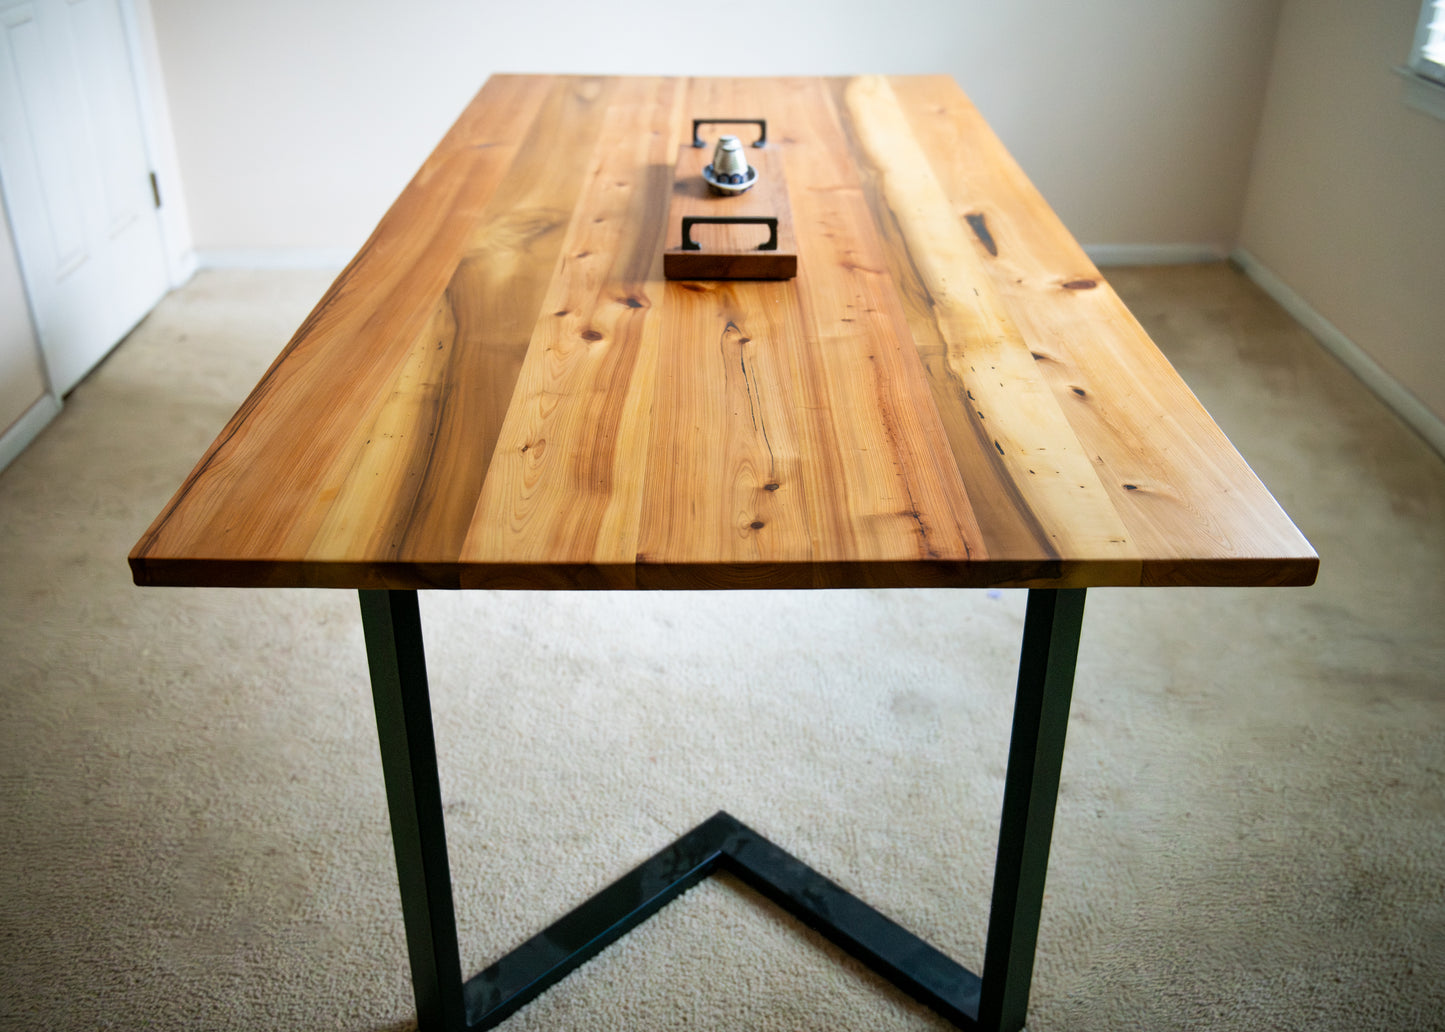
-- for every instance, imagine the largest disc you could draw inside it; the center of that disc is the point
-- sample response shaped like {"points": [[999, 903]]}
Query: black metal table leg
{"points": [[1031, 788], [392, 624], [997, 1002]]}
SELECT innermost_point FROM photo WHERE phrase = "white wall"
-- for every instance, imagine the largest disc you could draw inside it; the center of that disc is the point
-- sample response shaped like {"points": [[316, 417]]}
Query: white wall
{"points": [[1346, 203], [297, 123]]}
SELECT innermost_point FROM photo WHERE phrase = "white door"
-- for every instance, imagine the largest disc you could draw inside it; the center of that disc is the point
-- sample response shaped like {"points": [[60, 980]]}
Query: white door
{"points": [[77, 180]]}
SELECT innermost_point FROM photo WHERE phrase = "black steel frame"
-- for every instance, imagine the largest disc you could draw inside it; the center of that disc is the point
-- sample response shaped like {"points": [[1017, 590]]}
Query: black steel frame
{"points": [[995, 1002]]}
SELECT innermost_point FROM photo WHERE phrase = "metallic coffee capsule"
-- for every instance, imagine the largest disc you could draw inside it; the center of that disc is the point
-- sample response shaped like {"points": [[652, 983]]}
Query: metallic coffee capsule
{"points": [[729, 159]]}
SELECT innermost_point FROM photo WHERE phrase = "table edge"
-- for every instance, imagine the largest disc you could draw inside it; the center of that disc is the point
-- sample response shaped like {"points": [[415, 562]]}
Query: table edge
{"points": [[1281, 571]]}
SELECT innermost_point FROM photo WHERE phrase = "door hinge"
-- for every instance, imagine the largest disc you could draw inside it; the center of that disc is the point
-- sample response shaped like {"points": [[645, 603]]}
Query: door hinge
{"points": [[156, 189]]}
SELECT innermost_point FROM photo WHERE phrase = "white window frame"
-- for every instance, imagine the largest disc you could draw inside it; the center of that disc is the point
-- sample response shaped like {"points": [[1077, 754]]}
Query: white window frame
{"points": [[1424, 73]]}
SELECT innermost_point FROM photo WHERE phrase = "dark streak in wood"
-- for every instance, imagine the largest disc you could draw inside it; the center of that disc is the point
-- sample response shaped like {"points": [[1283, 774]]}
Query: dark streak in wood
{"points": [[978, 222]]}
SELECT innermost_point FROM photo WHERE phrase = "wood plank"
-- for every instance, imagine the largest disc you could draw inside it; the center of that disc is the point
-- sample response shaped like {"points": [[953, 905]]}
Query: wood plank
{"points": [[724, 466], [565, 482], [1187, 496], [253, 490], [410, 489], [729, 252], [895, 492], [999, 508], [991, 371]]}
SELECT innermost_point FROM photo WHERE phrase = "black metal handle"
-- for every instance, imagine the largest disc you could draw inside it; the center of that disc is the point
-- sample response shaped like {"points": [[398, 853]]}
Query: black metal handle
{"points": [[688, 221], [761, 123]]}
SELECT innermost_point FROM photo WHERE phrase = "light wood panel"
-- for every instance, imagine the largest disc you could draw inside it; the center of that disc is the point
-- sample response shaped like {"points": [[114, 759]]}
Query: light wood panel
{"points": [[1158, 453], [982, 361], [502, 391]]}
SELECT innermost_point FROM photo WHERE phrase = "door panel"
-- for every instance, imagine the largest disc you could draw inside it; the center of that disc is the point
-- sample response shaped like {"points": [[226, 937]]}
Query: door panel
{"points": [[77, 179], [22, 381], [39, 115]]}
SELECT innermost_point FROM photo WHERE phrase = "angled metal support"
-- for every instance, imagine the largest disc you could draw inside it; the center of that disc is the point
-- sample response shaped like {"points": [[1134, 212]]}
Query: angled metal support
{"points": [[722, 843]]}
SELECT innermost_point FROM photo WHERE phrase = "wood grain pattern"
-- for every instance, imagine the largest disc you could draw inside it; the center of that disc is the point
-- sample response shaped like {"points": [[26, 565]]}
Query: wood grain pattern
{"points": [[501, 390]]}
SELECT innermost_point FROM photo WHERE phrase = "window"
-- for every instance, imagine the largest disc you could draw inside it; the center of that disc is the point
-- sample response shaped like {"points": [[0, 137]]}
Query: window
{"points": [[1425, 71], [1427, 59]]}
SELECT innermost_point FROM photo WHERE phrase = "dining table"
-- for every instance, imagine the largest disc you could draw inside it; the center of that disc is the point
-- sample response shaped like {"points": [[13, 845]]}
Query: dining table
{"points": [[511, 387]]}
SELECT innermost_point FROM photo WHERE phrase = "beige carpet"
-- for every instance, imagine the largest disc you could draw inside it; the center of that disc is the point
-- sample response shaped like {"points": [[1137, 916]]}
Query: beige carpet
{"points": [[1251, 833]]}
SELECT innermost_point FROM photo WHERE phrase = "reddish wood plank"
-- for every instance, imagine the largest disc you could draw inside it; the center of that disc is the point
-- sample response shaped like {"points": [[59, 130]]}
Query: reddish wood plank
{"points": [[565, 483]]}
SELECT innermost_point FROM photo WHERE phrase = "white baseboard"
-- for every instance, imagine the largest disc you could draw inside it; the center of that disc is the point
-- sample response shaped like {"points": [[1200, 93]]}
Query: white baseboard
{"points": [[25, 429], [1154, 254], [1405, 405], [274, 258]]}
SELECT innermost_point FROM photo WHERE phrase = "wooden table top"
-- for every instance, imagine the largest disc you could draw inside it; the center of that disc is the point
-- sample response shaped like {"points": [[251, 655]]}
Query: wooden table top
{"points": [[501, 390]]}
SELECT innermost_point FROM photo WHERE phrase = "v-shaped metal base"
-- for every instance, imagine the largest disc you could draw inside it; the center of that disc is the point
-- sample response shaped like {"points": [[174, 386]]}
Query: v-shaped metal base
{"points": [[997, 1002], [721, 843]]}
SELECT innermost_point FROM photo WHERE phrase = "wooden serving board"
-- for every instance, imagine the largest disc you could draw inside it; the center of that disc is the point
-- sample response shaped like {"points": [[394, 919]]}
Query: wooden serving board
{"points": [[730, 252]]}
